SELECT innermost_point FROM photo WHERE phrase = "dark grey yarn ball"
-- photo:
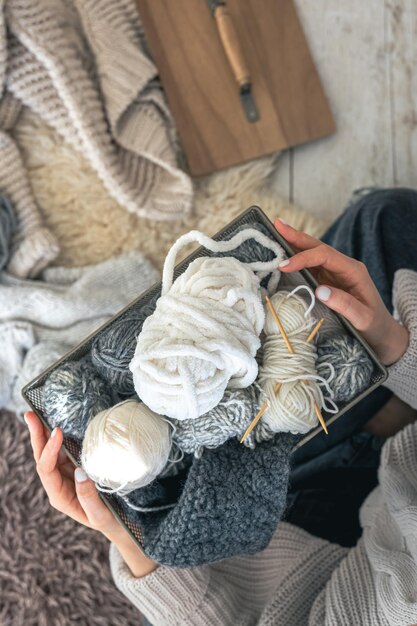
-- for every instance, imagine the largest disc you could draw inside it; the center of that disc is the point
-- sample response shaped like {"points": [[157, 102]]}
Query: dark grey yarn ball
{"points": [[7, 226], [73, 394], [114, 348], [352, 364]]}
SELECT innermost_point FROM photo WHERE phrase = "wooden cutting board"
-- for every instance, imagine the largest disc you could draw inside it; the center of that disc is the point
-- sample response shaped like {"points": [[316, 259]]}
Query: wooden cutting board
{"points": [[203, 94]]}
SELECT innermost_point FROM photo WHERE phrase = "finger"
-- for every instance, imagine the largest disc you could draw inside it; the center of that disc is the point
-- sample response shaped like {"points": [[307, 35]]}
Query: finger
{"points": [[98, 515], [49, 457], [358, 314], [295, 237], [37, 434], [325, 257]]}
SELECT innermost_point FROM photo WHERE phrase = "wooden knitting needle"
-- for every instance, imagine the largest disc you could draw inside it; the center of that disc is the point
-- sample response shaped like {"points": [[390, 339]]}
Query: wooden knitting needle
{"points": [[280, 326], [315, 330], [278, 385]]}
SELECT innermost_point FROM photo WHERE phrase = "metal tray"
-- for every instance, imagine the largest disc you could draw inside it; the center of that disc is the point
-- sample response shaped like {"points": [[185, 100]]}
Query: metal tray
{"points": [[32, 392]]}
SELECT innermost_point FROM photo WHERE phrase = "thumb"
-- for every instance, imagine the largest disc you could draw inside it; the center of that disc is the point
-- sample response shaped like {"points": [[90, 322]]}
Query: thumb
{"points": [[99, 516], [347, 305]]}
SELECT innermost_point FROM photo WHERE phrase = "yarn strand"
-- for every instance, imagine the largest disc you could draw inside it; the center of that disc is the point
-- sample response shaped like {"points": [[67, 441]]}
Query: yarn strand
{"points": [[195, 236]]}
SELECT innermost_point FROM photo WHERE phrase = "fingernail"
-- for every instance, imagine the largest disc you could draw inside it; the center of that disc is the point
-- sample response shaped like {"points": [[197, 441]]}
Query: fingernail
{"points": [[54, 432], [80, 475], [25, 417], [284, 263], [323, 293], [283, 221]]}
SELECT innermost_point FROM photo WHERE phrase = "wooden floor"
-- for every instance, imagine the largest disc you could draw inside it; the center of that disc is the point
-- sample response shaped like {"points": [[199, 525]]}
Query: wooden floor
{"points": [[366, 54]]}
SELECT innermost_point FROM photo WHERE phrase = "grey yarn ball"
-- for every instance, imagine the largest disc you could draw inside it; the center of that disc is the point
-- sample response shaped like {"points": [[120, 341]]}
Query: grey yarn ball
{"points": [[352, 364], [73, 394], [114, 348], [230, 418]]}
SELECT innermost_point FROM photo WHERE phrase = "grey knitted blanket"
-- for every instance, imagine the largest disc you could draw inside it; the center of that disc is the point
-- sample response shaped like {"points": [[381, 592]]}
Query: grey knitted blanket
{"points": [[82, 66]]}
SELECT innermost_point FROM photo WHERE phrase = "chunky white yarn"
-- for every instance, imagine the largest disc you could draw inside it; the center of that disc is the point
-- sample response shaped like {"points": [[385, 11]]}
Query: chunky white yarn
{"points": [[204, 333], [292, 408], [125, 447]]}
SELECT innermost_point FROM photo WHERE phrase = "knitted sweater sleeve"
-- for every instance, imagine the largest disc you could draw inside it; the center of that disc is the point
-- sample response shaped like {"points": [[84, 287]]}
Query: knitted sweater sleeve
{"points": [[403, 374], [275, 587], [376, 584]]}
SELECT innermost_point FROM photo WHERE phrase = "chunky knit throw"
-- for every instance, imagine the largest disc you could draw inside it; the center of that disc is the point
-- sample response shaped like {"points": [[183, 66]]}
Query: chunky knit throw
{"points": [[81, 65]]}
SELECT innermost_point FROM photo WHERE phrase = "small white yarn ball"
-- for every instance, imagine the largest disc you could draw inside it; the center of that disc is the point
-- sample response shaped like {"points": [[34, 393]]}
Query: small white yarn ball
{"points": [[202, 338], [126, 447]]}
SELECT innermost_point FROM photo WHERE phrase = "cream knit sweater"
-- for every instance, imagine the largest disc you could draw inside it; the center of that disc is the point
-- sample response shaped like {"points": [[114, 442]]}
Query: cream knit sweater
{"points": [[300, 580], [81, 65]]}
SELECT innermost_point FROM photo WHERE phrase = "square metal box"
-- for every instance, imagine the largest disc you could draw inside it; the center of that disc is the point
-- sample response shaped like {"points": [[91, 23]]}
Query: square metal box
{"points": [[32, 392]]}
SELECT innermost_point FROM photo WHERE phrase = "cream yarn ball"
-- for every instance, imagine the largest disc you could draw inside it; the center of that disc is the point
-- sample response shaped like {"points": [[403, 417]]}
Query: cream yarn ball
{"points": [[292, 409], [125, 447]]}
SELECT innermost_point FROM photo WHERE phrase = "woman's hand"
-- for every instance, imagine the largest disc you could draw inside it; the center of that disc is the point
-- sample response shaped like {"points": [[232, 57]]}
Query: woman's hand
{"points": [[75, 495], [346, 287]]}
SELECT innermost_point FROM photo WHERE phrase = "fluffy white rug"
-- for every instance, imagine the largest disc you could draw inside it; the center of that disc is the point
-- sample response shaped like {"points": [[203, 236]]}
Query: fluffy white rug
{"points": [[91, 226]]}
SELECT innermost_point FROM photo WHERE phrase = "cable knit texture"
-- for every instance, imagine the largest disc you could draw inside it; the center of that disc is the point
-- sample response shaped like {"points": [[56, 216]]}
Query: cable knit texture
{"points": [[302, 580], [403, 374], [81, 65]]}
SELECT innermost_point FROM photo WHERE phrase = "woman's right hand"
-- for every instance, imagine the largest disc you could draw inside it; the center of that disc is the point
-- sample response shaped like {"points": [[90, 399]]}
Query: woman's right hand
{"points": [[74, 494], [346, 287]]}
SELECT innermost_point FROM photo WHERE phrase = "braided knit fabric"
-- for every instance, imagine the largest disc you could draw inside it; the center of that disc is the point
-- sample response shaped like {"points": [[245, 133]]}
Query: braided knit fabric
{"points": [[229, 504]]}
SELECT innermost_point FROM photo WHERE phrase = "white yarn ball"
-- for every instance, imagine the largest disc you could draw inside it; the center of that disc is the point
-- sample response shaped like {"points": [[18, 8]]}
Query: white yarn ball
{"points": [[292, 408], [202, 338], [126, 447]]}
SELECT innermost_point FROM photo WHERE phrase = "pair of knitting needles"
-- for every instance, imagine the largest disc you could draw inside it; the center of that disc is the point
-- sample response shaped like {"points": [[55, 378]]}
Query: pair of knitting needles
{"points": [[278, 385]]}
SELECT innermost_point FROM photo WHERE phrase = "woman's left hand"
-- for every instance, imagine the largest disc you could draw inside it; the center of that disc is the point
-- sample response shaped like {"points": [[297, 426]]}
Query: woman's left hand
{"points": [[345, 286], [74, 494]]}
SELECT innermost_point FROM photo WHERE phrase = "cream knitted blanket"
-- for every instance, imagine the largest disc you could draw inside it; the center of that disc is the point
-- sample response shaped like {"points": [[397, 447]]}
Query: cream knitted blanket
{"points": [[82, 66]]}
